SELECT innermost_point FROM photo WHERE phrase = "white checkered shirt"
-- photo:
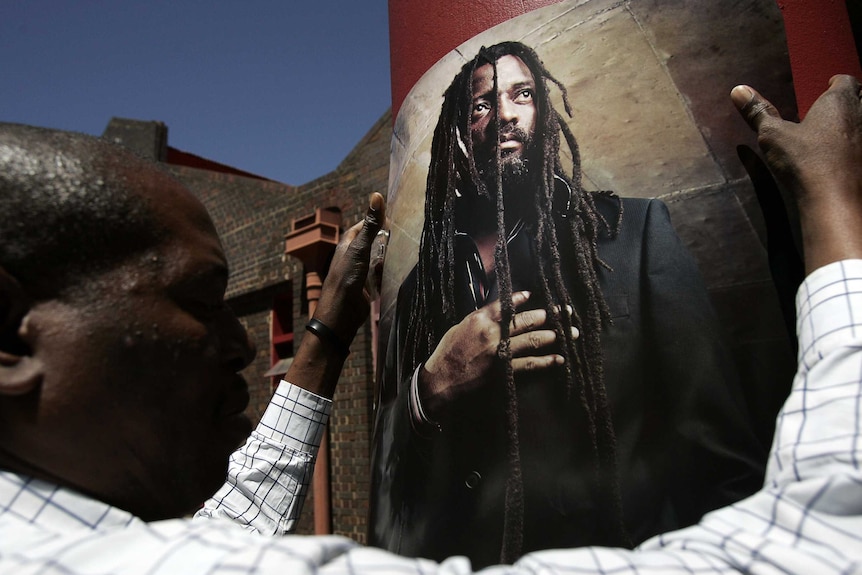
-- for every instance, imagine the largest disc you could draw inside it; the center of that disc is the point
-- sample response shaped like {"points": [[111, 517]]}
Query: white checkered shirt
{"points": [[807, 519]]}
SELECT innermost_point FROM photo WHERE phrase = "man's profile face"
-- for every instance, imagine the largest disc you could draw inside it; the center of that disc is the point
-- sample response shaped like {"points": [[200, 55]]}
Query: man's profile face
{"points": [[141, 399], [514, 106]]}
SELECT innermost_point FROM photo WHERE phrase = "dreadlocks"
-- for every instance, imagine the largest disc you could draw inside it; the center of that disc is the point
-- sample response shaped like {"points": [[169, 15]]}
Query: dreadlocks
{"points": [[451, 170]]}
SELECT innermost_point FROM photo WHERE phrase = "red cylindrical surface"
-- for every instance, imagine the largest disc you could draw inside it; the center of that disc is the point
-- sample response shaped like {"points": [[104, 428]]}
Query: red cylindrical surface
{"points": [[820, 42], [819, 38], [420, 33]]}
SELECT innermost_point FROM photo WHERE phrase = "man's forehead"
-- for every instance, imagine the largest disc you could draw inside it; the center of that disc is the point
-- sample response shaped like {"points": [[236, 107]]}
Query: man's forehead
{"points": [[184, 221], [191, 253], [510, 70], [169, 199]]}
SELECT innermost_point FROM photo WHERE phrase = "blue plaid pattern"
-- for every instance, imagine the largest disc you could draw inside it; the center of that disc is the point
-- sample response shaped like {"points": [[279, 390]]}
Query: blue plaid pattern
{"points": [[269, 477], [807, 519]]}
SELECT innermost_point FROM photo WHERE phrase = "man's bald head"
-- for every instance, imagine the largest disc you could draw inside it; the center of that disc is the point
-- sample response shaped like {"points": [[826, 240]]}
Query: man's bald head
{"points": [[66, 210]]}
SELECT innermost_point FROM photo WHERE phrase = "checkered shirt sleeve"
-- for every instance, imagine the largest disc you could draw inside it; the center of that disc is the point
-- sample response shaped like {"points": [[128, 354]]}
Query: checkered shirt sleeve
{"points": [[268, 477]]}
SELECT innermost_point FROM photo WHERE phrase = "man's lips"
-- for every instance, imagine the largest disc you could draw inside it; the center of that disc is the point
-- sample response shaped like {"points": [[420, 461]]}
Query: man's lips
{"points": [[510, 143], [236, 398], [513, 136]]}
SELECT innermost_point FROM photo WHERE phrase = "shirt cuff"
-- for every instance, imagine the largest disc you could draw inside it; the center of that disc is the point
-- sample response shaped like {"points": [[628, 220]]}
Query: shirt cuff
{"points": [[295, 417], [829, 310]]}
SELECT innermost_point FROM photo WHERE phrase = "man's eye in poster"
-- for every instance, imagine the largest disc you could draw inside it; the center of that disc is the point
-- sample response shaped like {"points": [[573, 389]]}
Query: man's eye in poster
{"points": [[570, 356]]}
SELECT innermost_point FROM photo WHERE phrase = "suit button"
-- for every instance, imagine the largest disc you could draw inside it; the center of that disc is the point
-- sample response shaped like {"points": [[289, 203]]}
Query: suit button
{"points": [[472, 480]]}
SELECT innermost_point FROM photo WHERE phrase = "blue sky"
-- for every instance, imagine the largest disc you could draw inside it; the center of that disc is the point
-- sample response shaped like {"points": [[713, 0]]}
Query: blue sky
{"points": [[280, 88]]}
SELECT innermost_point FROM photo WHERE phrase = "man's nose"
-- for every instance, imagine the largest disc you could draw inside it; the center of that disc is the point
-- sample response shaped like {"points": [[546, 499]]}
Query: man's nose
{"points": [[508, 110], [238, 349]]}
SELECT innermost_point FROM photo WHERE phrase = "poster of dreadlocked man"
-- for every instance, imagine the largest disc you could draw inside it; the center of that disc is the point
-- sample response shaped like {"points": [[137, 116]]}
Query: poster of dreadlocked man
{"points": [[555, 375]]}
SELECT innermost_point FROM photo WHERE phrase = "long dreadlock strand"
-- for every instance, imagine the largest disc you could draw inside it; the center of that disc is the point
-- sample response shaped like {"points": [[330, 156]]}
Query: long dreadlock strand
{"points": [[602, 430], [436, 288], [513, 517]]}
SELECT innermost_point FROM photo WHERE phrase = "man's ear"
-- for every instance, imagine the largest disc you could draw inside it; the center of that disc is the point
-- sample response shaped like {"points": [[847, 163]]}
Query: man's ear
{"points": [[20, 373]]}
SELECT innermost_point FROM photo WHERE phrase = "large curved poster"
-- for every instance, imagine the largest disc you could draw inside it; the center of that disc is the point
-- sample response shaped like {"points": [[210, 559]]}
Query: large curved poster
{"points": [[558, 370]]}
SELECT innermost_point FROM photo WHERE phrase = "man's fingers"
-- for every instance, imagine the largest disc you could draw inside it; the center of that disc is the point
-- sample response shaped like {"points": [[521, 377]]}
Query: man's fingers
{"points": [[359, 238], [755, 109], [534, 363], [376, 214], [365, 230], [525, 321], [846, 91], [493, 309], [530, 342], [519, 298], [845, 82], [374, 219]]}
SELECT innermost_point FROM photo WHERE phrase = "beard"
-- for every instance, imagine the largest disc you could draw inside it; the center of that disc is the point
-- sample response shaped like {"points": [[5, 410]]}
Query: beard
{"points": [[514, 165], [518, 182]]}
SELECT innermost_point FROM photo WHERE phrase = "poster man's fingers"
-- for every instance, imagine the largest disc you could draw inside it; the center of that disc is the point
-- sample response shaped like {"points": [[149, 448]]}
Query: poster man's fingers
{"points": [[535, 363], [536, 349], [493, 309], [532, 342], [529, 320]]}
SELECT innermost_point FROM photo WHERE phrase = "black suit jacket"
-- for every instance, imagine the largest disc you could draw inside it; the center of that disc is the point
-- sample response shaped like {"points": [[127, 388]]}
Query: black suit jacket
{"points": [[684, 443]]}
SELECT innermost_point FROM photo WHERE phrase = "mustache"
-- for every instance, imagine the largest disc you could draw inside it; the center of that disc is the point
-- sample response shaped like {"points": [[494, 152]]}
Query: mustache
{"points": [[510, 132]]}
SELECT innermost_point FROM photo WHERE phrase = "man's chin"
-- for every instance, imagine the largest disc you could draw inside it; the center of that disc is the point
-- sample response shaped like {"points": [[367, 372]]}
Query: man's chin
{"points": [[514, 167]]}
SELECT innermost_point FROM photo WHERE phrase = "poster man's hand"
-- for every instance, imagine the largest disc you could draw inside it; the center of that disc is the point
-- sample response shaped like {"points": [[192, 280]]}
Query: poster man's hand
{"points": [[467, 353]]}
